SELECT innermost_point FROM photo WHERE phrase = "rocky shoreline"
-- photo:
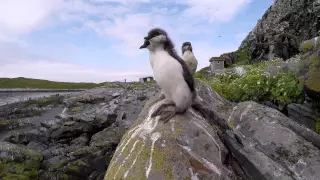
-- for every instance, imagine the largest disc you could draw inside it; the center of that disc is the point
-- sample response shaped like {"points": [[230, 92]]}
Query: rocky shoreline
{"points": [[75, 136], [67, 137], [38, 90]]}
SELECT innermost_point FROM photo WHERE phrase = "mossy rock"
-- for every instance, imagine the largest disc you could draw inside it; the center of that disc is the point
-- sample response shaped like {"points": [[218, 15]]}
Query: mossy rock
{"points": [[18, 171], [77, 167], [313, 82], [20, 154], [310, 45], [310, 70], [153, 150]]}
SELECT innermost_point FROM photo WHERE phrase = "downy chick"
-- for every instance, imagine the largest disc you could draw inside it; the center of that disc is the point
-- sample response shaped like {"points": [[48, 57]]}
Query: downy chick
{"points": [[171, 74], [188, 57]]}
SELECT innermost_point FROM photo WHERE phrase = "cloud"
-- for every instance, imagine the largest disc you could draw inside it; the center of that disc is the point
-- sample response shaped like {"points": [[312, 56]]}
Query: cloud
{"points": [[121, 24], [21, 17]]}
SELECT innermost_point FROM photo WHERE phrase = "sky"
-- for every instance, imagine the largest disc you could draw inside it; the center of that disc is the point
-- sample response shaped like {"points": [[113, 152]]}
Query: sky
{"points": [[99, 40]]}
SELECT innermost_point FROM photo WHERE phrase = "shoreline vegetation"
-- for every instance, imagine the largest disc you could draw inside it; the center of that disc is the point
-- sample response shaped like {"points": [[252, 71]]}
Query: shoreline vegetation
{"points": [[39, 84], [256, 84], [22, 84]]}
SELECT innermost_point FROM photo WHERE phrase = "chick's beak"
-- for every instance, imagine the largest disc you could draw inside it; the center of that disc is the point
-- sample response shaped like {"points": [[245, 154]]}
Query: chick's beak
{"points": [[145, 44]]}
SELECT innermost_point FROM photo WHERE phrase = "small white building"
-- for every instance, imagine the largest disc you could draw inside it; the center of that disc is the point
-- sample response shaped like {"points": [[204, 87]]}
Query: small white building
{"points": [[146, 79], [216, 64]]}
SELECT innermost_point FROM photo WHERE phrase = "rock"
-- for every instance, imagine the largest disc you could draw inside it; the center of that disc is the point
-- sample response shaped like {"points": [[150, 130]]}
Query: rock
{"points": [[303, 114], [37, 146], [249, 139], [71, 129], [185, 148], [18, 162], [271, 145], [310, 45], [24, 136], [49, 123], [281, 29], [259, 139], [82, 140], [109, 137], [238, 70]]}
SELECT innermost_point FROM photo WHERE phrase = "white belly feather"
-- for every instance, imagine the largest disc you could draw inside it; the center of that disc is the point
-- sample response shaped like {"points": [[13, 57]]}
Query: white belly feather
{"points": [[167, 72], [190, 60]]}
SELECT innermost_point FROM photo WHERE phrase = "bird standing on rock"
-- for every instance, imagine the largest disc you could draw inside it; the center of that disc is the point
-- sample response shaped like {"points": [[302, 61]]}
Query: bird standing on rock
{"points": [[188, 57], [171, 74]]}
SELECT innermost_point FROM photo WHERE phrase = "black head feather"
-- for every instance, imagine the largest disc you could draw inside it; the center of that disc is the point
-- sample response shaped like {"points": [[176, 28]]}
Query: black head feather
{"points": [[187, 43], [156, 32]]}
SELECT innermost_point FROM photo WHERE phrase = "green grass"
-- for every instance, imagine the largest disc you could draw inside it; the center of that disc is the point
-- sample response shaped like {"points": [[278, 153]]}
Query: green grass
{"points": [[243, 58], [257, 85], [21, 82], [202, 73]]}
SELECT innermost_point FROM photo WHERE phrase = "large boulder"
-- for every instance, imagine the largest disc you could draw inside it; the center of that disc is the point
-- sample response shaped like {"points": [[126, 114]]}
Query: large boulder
{"points": [[282, 27], [184, 148], [306, 67], [245, 140]]}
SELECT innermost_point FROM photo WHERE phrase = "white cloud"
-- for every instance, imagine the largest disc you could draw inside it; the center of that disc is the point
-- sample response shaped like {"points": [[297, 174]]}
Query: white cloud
{"points": [[214, 10], [20, 17], [124, 23]]}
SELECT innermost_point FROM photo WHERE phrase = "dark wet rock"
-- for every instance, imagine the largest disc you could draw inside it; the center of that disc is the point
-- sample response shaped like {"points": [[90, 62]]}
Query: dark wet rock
{"points": [[24, 136], [37, 146], [82, 140], [29, 108], [71, 129], [305, 114], [108, 137]]}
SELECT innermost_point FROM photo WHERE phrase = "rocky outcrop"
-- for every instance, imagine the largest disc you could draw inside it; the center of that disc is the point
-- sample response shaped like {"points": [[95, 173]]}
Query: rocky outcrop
{"points": [[73, 142], [185, 148], [282, 28], [215, 140], [248, 141], [306, 67]]}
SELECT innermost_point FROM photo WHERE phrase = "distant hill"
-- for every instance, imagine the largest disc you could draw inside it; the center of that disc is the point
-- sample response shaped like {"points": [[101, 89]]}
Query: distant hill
{"points": [[22, 82]]}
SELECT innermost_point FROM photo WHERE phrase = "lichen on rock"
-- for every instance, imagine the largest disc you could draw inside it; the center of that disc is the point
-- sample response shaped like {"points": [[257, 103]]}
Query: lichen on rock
{"points": [[184, 148]]}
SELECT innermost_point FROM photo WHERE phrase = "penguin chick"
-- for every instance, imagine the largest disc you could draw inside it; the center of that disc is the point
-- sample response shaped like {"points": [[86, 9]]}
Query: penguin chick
{"points": [[171, 74], [188, 57]]}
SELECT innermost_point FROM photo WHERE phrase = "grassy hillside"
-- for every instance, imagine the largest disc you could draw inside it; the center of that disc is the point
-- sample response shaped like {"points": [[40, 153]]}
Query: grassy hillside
{"points": [[44, 84]]}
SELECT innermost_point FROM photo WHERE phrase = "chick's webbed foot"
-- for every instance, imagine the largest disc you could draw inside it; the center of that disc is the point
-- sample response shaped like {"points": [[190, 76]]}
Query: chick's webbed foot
{"points": [[165, 103], [167, 114]]}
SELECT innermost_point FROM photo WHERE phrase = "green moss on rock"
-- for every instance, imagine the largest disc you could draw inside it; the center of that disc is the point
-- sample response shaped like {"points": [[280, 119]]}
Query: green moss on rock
{"points": [[58, 166], [19, 171], [310, 45], [318, 126], [76, 166], [313, 82]]}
